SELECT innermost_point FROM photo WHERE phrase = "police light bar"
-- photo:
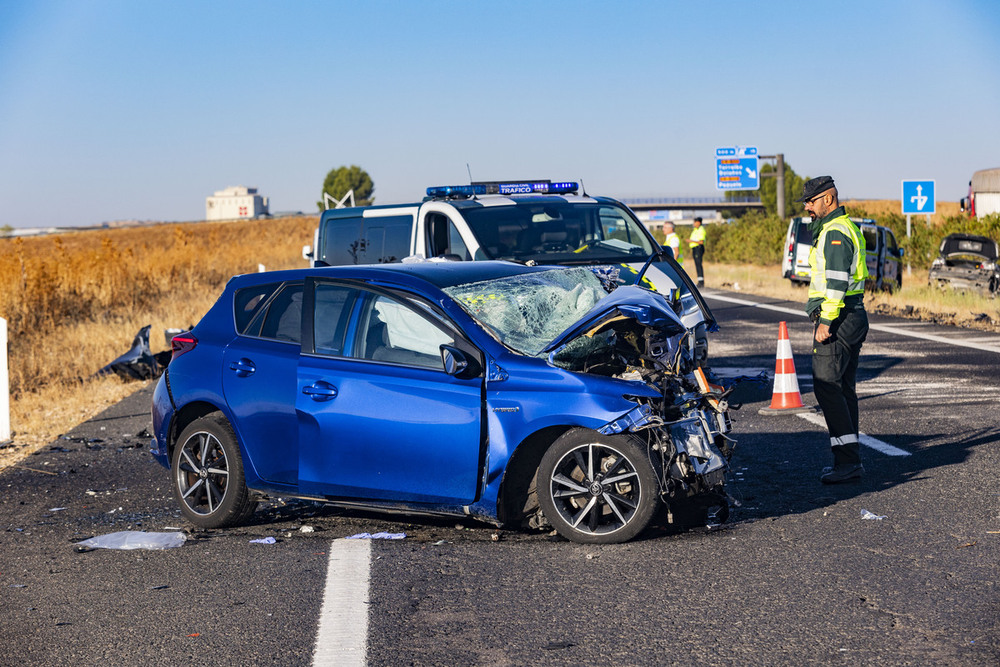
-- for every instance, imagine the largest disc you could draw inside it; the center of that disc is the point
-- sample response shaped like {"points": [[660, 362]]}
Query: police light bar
{"points": [[538, 187]]}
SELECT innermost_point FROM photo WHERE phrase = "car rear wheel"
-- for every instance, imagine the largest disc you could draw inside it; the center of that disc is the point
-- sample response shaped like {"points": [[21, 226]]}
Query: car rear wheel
{"points": [[208, 475], [597, 489]]}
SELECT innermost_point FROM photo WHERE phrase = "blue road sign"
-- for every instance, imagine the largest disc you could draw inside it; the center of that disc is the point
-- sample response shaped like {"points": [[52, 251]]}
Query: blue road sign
{"points": [[918, 197], [736, 168]]}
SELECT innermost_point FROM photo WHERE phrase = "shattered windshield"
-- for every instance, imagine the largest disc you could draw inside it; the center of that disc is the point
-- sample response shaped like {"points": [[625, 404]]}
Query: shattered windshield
{"points": [[527, 312], [553, 231]]}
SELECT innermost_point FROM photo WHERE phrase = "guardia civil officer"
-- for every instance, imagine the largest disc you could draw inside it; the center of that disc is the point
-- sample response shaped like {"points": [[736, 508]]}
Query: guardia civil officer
{"points": [[697, 244], [836, 307]]}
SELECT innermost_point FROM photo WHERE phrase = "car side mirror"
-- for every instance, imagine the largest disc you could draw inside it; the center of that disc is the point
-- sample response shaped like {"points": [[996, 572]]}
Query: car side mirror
{"points": [[454, 360], [457, 363]]}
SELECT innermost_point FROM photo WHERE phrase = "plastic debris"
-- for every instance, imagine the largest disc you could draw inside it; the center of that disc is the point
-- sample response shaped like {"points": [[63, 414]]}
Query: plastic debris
{"points": [[136, 364], [376, 536], [132, 539], [307, 529], [264, 540], [865, 514]]}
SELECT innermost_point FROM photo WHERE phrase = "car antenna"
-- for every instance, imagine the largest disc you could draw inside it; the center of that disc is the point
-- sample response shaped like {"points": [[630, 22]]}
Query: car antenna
{"points": [[469, 169], [583, 189]]}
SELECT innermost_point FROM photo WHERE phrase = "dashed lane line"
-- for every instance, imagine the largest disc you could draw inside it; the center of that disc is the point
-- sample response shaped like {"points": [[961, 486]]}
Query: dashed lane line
{"points": [[342, 638], [974, 344]]}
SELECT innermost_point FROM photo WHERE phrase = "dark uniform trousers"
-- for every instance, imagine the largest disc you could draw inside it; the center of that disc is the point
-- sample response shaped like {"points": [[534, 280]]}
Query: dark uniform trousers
{"points": [[698, 252], [835, 367]]}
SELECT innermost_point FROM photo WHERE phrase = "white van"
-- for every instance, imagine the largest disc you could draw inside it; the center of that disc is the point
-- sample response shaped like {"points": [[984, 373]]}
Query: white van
{"points": [[883, 256]]}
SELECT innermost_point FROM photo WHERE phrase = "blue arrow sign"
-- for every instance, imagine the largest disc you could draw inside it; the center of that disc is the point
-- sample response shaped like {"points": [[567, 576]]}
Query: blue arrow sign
{"points": [[918, 197], [737, 168]]}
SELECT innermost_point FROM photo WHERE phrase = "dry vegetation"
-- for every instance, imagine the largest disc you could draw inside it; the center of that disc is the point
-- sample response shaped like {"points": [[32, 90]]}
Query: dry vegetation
{"points": [[880, 208], [74, 302]]}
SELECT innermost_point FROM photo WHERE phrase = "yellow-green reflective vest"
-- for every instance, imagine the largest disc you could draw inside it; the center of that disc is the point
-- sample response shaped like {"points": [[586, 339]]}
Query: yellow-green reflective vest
{"points": [[829, 285]]}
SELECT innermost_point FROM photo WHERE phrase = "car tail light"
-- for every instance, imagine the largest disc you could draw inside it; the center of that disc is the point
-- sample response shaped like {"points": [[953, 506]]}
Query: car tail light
{"points": [[182, 343]]}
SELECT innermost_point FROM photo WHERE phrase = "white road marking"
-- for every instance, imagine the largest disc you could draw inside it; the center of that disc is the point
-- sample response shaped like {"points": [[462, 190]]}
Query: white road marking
{"points": [[865, 439], [342, 638], [894, 329]]}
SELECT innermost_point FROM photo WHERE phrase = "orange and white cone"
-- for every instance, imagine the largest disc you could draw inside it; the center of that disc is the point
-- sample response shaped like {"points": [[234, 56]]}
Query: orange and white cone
{"points": [[786, 397]]}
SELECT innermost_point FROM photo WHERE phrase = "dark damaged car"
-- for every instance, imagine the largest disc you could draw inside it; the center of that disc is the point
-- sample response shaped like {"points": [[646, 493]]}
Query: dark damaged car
{"points": [[521, 396], [967, 262]]}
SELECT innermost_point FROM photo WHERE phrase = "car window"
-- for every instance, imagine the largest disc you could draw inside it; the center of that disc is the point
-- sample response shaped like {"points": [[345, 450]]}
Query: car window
{"points": [[248, 302], [283, 320], [890, 243], [332, 312], [394, 332], [387, 239]]}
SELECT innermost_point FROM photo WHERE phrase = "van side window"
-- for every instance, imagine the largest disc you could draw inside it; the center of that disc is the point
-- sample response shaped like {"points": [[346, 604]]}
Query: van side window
{"points": [[388, 239], [443, 239], [343, 241]]}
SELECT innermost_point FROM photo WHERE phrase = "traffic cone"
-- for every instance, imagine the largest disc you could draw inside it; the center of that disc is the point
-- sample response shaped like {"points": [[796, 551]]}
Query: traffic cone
{"points": [[785, 397]]}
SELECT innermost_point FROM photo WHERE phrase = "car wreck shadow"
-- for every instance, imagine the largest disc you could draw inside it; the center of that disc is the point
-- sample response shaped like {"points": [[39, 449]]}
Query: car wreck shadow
{"points": [[772, 480]]}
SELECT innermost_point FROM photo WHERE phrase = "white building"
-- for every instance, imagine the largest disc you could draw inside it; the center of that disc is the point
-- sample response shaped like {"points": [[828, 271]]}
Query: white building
{"points": [[235, 202]]}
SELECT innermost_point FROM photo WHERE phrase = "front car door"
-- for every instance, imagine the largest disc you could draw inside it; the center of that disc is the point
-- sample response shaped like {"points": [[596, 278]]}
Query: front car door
{"points": [[378, 416]]}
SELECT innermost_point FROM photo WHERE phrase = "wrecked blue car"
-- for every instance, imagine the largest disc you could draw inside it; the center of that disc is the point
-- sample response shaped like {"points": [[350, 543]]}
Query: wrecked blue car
{"points": [[524, 396]]}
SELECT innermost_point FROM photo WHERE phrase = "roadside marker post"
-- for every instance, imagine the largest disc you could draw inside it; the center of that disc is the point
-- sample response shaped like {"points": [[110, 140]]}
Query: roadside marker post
{"points": [[4, 385]]}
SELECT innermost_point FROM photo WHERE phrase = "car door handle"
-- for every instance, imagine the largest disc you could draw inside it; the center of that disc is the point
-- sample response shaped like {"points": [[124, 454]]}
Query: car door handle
{"points": [[320, 391], [243, 367]]}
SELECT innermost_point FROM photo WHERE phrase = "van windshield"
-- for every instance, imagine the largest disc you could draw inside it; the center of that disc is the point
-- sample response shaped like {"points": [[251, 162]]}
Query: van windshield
{"points": [[558, 232]]}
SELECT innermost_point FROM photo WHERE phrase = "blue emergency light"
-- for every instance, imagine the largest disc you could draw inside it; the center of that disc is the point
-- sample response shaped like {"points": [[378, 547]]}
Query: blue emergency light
{"points": [[529, 187]]}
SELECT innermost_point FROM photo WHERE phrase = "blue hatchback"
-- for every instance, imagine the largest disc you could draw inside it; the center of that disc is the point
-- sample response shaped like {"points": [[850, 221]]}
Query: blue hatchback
{"points": [[532, 396]]}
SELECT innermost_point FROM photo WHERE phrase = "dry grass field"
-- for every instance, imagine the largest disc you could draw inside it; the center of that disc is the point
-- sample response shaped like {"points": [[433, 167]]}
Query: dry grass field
{"points": [[74, 302], [878, 208]]}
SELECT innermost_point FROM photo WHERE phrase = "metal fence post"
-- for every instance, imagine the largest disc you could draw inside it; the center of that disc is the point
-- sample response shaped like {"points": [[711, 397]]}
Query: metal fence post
{"points": [[4, 385]]}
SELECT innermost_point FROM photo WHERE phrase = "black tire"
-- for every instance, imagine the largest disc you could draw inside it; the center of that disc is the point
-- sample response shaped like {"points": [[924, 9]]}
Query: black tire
{"points": [[208, 475], [597, 489]]}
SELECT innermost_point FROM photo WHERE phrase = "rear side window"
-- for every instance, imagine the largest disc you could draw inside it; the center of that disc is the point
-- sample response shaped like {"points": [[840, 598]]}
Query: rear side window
{"points": [[332, 314], [342, 241], [283, 319], [250, 301]]}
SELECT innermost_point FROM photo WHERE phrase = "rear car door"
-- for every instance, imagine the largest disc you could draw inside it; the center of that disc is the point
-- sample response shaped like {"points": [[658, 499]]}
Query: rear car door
{"points": [[259, 374], [378, 416]]}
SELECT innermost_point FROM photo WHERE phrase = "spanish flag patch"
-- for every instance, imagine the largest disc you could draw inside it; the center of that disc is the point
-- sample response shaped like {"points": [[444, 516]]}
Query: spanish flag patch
{"points": [[834, 242]]}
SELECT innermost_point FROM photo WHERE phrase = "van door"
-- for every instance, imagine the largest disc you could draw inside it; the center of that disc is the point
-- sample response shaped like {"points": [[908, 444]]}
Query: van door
{"points": [[873, 260], [387, 237]]}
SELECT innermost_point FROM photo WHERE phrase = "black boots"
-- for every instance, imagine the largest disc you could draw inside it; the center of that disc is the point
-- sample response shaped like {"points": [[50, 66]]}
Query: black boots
{"points": [[846, 465]]}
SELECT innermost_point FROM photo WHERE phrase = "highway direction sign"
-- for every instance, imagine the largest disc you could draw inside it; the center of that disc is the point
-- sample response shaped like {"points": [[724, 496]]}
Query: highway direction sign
{"points": [[918, 197], [736, 168]]}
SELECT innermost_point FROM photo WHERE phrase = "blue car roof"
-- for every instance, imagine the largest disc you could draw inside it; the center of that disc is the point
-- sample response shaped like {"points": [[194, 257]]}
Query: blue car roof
{"points": [[439, 274]]}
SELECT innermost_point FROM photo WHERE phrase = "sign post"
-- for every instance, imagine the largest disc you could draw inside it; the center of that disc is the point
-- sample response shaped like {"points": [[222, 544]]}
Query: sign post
{"points": [[737, 168], [4, 385], [918, 197]]}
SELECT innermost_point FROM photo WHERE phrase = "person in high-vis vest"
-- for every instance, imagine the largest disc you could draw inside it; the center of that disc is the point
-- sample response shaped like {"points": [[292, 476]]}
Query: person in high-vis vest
{"points": [[697, 244], [672, 241], [836, 307]]}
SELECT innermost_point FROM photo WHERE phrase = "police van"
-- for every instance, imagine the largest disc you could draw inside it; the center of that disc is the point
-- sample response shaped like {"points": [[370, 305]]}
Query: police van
{"points": [[531, 222], [883, 256]]}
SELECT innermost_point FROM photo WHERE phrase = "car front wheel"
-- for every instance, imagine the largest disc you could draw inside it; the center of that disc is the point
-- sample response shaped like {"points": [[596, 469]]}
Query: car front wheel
{"points": [[208, 475], [597, 489]]}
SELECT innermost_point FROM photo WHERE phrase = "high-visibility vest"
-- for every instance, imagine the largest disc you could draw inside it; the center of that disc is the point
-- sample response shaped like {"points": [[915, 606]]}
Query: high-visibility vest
{"points": [[854, 279], [674, 242], [697, 237]]}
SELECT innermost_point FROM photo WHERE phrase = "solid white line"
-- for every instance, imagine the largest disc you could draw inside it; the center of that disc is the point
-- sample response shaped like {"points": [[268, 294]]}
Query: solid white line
{"points": [[342, 638], [898, 330], [865, 439]]}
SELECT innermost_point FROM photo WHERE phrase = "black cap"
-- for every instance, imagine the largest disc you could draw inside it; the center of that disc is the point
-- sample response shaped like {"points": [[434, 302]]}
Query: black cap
{"points": [[815, 186]]}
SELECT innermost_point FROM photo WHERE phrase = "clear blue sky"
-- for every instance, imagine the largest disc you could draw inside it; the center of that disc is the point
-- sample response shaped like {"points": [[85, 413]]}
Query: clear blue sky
{"points": [[115, 110]]}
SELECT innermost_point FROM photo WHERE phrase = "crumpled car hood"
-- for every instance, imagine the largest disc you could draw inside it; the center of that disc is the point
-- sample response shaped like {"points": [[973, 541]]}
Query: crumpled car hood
{"points": [[627, 302]]}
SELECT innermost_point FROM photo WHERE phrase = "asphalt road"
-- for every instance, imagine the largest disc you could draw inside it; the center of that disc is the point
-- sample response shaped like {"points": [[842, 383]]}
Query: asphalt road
{"points": [[796, 577]]}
